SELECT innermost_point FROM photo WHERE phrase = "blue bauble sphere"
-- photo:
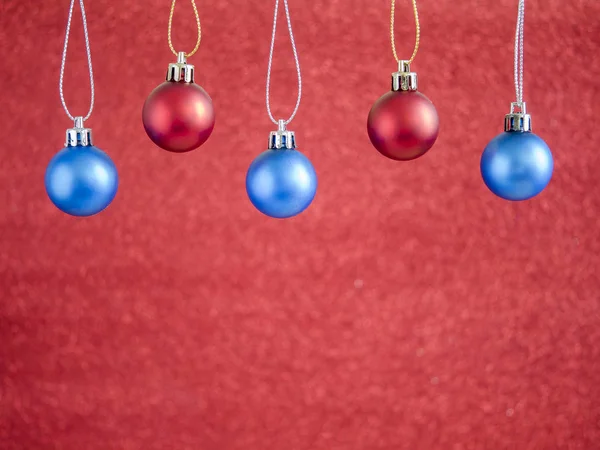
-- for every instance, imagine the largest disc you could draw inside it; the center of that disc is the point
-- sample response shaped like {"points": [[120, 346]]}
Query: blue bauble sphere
{"points": [[516, 165], [81, 180], [281, 183]]}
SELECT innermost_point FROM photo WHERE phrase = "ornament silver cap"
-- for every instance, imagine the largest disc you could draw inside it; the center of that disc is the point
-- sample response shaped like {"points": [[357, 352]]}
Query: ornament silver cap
{"points": [[181, 70], [404, 79], [517, 119], [282, 138], [78, 135]]}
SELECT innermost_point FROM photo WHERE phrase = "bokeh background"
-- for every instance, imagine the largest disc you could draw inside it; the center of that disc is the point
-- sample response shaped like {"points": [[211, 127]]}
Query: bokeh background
{"points": [[408, 308]]}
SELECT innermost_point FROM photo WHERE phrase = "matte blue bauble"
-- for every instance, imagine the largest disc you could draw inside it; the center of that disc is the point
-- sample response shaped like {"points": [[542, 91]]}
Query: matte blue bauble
{"points": [[81, 180], [281, 183], [516, 165]]}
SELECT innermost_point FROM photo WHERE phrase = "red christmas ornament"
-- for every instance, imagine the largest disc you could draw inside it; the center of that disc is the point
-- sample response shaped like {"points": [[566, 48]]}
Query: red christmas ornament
{"points": [[179, 115], [403, 124]]}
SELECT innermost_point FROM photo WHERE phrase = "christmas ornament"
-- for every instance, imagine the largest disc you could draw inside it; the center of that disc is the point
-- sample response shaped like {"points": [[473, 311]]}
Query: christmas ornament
{"points": [[403, 124], [517, 164], [281, 182], [179, 115], [81, 180]]}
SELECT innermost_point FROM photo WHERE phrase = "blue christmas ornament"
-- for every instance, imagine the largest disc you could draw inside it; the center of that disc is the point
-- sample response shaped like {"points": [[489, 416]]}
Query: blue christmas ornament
{"points": [[281, 182], [81, 180], [517, 164]]}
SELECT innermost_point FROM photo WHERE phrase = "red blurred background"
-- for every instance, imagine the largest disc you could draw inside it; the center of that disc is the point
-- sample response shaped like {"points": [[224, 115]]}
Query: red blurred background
{"points": [[407, 308]]}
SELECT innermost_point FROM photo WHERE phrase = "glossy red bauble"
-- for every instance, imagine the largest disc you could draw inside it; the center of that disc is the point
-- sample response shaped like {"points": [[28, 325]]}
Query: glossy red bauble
{"points": [[403, 125], [178, 116]]}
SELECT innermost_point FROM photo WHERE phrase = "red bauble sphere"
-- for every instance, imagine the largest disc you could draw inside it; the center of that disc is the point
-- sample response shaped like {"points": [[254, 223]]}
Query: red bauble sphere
{"points": [[403, 125], [178, 116]]}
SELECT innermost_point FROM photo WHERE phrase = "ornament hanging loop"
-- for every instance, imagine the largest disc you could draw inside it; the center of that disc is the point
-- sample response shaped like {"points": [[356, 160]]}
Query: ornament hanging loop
{"points": [[519, 50], [403, 66], [417, 31], [199, 27], [64, 61], [518, 107], [297, 62]]}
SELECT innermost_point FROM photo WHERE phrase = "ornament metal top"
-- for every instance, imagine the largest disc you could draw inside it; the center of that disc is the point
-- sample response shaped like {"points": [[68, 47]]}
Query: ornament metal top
{"points": [[404, 79], [517, 119], [180, 70], [78, 135], [282, 138]]}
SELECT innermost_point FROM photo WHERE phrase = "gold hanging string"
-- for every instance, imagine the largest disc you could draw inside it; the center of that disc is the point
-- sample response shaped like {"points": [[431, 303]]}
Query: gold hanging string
{"points": [[197, 23], [418, 31]]}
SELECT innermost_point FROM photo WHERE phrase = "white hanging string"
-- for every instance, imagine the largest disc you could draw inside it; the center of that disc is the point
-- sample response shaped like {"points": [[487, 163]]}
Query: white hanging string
{"points": [[64, 59], [289, 25], [519, 52]]}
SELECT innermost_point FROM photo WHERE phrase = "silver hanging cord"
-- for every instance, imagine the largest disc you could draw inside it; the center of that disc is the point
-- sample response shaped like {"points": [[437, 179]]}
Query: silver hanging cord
{"points": [[289, 24], [64, 59], [519, 52]]}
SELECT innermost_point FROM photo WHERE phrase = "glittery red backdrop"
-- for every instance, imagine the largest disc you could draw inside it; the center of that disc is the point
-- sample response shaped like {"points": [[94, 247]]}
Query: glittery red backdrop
{"points": [[408, 308]]}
